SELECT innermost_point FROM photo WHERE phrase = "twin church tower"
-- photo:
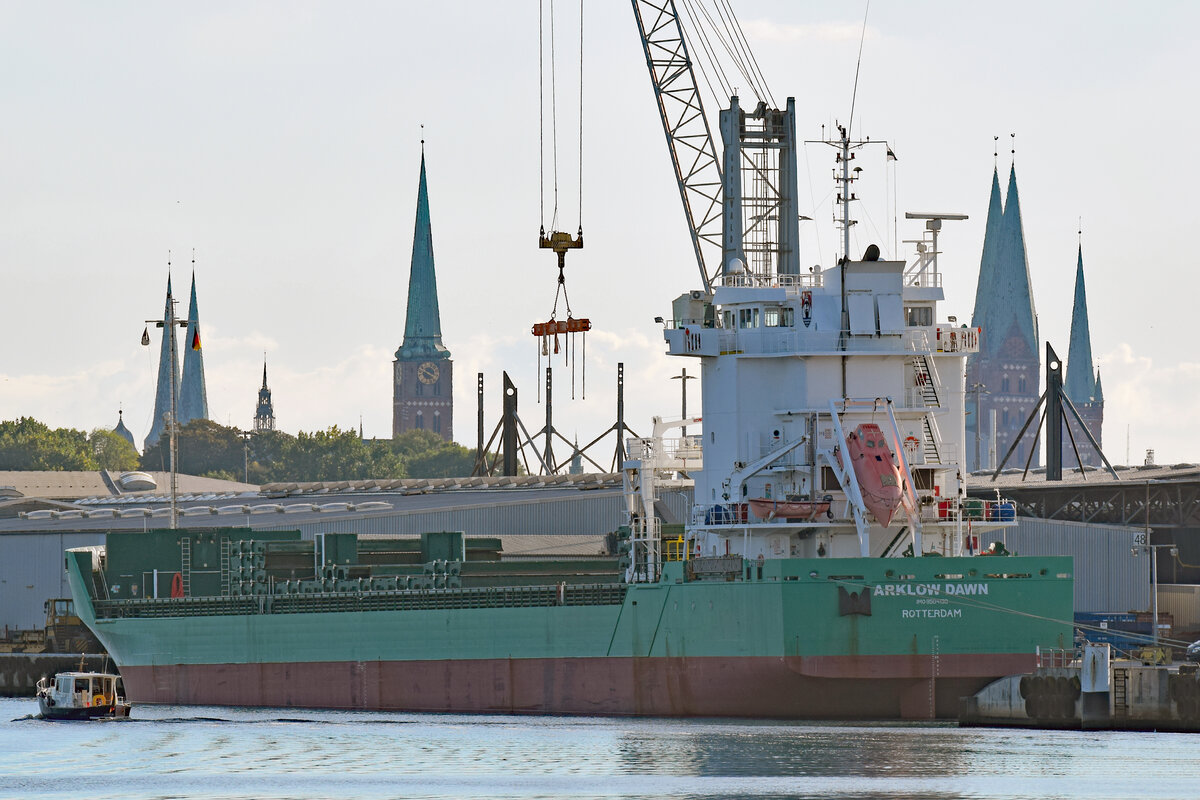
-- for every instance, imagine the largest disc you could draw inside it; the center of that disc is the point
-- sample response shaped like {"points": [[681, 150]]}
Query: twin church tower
{"points": [[422, 377], [1004, 377]]}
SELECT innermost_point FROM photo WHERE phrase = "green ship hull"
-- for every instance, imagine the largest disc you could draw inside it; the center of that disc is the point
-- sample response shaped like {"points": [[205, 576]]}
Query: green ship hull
{"points": [[789, 638]]}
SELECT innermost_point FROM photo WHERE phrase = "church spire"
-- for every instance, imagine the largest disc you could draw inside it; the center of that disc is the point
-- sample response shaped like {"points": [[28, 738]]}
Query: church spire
{"points": [[989, 261], [264, 412], [1080, 384], [162, 393], [422, 324], [1013, 286], [1003, 377], [193, 395]]}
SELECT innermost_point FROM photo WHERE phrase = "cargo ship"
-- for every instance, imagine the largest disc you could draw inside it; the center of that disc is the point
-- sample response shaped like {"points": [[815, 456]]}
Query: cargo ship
{"points": [[830, 567]]}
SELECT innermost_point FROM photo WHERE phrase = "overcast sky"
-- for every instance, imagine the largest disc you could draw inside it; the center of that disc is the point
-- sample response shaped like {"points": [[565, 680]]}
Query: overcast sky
{"points": [[281, 140]]}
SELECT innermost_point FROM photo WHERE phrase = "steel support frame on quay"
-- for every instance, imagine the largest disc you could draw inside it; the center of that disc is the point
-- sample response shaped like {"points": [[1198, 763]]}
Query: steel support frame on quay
{"points": [[1172, 504]]}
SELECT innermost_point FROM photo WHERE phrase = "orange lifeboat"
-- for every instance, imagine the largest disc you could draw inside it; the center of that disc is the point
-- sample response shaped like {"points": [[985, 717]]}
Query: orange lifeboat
{"points": [[807, 510], [875, 467]]}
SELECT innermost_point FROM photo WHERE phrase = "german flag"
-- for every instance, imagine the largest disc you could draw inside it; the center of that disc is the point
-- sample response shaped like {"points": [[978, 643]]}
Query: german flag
{"points": [[196, 338]]}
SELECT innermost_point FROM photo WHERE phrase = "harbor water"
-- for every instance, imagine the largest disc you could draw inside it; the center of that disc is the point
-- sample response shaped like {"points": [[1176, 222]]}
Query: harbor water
{"points": [[176, 752]]}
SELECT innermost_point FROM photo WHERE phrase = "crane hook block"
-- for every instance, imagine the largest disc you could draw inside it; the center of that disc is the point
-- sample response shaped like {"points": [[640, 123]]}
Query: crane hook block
{"points": [[561, 241]]}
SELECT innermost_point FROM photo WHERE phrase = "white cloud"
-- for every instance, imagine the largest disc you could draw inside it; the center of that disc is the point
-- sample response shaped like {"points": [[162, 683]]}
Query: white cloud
{"points": [[1153, 400]]}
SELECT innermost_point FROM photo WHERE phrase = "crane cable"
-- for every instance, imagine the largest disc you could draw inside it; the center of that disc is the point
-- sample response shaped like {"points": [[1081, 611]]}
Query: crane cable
{"points": [[558, 241], [700, 36], [580, 186], [554, 115]]}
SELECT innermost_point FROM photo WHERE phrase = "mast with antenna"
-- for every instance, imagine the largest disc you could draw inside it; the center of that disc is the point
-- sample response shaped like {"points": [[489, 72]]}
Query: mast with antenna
{"points": [[169, 323]]}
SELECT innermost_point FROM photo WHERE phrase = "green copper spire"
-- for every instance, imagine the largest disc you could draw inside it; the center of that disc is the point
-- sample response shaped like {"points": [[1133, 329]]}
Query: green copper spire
{"points": [[162, 394], [193, 394], [1080, 385], [423, 324], [985, 300], [1012, 308]]}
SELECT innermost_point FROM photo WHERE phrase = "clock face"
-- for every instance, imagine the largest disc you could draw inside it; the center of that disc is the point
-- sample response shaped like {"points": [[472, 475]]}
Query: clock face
{"points": [[428, 372]]}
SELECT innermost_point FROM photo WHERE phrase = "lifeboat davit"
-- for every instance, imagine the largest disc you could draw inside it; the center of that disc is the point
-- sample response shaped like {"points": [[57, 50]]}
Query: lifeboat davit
{"points": [[875, 467]]}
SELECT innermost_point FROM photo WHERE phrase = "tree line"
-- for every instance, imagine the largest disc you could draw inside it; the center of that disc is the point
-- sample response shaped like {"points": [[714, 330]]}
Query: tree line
{"points": [[213, 450]]}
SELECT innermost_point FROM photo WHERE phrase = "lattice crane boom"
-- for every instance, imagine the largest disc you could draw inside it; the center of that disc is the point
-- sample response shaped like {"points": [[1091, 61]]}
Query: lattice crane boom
{"points": [[693, 155]]}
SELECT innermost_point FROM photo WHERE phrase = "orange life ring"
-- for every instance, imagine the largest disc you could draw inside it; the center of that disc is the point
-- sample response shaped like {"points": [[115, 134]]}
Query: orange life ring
{"points": [[99, 700], [177, 585]]}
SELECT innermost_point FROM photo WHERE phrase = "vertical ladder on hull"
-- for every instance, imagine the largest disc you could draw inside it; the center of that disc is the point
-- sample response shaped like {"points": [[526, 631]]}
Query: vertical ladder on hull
{"points": [[225, 548], [185, 564], [1120, 692]]}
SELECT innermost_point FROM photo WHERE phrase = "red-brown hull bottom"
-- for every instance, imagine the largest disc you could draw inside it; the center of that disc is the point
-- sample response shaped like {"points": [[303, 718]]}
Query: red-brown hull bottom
{"points": [[850, 687]]}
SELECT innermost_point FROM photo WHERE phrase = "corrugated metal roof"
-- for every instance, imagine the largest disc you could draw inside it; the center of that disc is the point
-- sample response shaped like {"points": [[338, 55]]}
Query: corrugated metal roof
{"points": [[79, 484], [981, 482], [418, 485]]}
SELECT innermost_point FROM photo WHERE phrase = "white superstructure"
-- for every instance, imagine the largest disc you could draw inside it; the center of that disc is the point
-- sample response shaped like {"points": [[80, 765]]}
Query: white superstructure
{"points": [[791, 364]]}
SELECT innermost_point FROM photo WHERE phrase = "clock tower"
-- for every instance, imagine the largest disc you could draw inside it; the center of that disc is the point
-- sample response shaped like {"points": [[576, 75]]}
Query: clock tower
{"points": [[422, 377]]}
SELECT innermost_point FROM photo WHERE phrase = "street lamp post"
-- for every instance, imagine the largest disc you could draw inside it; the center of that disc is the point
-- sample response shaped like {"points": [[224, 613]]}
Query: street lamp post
{"points": [[1153, 549], [246, 454]]}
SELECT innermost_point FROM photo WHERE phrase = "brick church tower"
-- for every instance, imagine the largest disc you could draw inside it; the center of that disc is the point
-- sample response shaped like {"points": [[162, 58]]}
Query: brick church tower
{"points": [[423, 374]]}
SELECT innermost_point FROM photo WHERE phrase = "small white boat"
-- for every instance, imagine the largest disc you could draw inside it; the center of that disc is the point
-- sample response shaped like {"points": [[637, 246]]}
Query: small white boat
{"points": [[82, 695]]}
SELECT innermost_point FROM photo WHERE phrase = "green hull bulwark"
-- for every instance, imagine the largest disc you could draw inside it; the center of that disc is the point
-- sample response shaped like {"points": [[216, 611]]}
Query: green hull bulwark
{"points": [[800, 607]]}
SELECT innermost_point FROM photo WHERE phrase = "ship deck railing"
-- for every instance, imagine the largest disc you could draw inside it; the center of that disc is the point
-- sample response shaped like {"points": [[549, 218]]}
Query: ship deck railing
{"points": [[992, 514], [769, 340], [773, 280], [404, 600]]}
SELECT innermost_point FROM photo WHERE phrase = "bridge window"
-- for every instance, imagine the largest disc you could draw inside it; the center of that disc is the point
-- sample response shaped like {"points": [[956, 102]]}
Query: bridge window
{"points": [[918, 316]]}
